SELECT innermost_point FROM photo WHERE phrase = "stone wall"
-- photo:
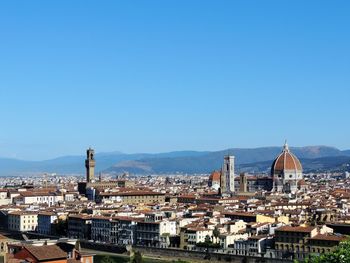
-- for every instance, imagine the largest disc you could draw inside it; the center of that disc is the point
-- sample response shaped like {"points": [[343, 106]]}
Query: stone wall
{"points": [[196, 256]]}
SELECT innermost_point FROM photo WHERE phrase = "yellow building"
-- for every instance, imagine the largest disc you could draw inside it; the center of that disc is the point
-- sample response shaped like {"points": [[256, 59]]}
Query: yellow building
{"points": [[132, 197], [258, 218], [4, 241]]}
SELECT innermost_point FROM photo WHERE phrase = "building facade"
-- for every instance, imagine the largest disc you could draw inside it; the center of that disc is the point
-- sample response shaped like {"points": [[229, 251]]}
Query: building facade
{"points": [[131, 197], [79, 226], [45, 222], [22, 221]]}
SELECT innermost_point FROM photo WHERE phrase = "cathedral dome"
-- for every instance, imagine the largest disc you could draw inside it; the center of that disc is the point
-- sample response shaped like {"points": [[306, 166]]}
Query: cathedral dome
{"points": [[215, 176], [285, 161]]}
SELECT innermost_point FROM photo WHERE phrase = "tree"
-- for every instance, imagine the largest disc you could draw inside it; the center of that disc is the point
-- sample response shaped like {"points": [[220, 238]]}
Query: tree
{"points": [[107, 259], [207, 239], [340, 255], [77, 245], [137, 258], [216, 233], [60, 228]]}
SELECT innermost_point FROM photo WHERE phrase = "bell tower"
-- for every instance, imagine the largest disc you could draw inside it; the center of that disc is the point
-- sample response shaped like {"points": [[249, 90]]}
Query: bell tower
{"points": [[228, 175], [90, 165], [243, 183]]}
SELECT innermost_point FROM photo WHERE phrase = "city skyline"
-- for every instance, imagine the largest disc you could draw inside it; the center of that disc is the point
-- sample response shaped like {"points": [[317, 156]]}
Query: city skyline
{"points": [[157, 77], [174, 131]]}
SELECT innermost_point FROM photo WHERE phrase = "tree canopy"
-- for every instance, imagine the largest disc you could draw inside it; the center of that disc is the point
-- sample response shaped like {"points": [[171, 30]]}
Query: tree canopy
{"points": [[107, 259], [340, 255], [137, 258]]}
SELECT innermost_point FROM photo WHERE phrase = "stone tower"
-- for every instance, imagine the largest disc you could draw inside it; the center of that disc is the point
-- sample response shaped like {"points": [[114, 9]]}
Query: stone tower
{"points": [[243, 183], [228, 175], [90, 165]]}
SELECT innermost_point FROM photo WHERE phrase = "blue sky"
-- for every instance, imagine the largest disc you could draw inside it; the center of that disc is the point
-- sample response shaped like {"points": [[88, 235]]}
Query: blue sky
{"points": [[153, 76]]}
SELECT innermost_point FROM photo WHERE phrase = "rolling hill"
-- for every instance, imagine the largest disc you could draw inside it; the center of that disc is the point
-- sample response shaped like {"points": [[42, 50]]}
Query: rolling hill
{"points": [[252, 160], [257, 159]]}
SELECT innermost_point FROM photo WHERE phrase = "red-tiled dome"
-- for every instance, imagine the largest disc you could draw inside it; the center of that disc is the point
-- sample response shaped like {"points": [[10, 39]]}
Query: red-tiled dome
{"points": [[286, 161], [215, 176]]}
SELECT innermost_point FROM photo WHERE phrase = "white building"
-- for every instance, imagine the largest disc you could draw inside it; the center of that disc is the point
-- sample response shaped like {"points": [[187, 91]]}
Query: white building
{"points": [[196, 235], [227, 239], [30, 198], [22, 221]]}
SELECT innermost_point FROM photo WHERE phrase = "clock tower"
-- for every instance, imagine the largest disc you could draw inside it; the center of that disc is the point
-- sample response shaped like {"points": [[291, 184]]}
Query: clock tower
{"points": [[90, 165]]}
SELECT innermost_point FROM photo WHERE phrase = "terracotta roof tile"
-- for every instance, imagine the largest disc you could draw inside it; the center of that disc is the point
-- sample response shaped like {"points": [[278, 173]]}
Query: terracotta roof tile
{"points": [[43, 253]]}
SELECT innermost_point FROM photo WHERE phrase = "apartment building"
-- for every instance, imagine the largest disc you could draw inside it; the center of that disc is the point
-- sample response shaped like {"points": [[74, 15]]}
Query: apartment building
{"points": [[4, 197], [190, 236], [79, 226], [101, 229], [131, 197], [126, 230], [29, 198], [155, 231], [45, 221], [22, 220]]}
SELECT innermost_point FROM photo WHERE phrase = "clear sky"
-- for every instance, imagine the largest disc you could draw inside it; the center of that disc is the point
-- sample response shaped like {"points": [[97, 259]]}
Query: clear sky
{"points": [[153, 76]]}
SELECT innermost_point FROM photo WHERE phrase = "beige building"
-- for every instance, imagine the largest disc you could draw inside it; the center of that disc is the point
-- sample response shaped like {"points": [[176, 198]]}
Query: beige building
{"points": [[4, 241], [4, 197], [132, 197], [235, 226], [227, 239], [303, 240], [22, 221]]}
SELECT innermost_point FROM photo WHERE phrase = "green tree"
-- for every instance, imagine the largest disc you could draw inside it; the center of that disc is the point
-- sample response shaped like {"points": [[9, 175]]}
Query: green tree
{"points": [[107, 259], [60, 228], [340, 255], [137, 258], [207, 239], [216, 234]]}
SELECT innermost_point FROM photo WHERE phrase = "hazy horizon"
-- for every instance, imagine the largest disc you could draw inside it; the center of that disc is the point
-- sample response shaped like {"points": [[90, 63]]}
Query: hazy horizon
{"points": [[82, 153]]}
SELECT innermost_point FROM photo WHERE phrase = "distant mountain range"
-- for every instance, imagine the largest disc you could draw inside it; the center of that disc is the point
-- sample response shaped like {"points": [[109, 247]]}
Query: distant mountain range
{"points": [[313, 158]]}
